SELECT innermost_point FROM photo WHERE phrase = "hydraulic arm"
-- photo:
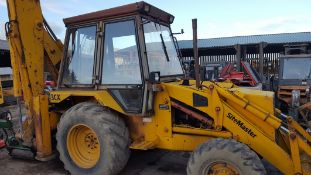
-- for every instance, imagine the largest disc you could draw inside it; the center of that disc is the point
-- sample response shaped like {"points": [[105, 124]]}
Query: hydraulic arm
{"points": [[32, 46]]}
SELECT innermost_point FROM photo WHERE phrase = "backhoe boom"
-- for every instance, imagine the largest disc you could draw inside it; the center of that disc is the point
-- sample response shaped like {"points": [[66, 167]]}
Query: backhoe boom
{"points": [[31, 47]]}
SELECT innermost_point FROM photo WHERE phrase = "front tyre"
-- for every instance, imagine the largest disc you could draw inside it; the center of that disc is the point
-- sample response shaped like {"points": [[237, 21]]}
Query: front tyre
{"points": [[92, 140], [224, 156]]}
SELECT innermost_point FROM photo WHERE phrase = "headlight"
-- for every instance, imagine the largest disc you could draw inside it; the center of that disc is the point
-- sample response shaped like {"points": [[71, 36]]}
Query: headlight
{"points": [[157, 78], [154, 77], [308, 95], [295, 98], [171, 19], [186, 67], [147, 8]]}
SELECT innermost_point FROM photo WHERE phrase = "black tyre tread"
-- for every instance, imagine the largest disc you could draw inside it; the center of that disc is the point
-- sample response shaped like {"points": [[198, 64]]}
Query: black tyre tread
{"points": [[250, 159], [108, 121]]}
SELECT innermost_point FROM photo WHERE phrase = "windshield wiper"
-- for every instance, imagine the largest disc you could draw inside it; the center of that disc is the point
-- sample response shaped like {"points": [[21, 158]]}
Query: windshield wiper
{"points": [[164, 48]]}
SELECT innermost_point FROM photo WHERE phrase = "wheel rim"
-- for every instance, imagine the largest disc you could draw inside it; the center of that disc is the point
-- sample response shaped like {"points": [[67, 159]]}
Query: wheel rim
{"points": [[221, 168], [83, 146]]}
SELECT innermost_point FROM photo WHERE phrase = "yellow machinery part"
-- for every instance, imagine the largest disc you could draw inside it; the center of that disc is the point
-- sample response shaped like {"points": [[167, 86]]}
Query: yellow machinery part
{"points": [[102, 96], [83, 146], [29, 40], [54, 119], [235, 118], [222, 168]]}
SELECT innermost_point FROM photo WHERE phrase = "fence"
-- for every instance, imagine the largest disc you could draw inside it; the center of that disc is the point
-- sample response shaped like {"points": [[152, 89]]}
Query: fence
{"points": [[270, 64]]}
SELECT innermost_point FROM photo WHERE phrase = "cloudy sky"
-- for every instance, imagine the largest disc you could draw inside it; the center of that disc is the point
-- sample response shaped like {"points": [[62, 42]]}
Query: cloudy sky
{"points": [[215, 18]]}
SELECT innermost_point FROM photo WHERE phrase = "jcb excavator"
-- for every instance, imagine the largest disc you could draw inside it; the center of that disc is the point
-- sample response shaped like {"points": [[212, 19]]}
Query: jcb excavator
{"points": [[120, 86]]}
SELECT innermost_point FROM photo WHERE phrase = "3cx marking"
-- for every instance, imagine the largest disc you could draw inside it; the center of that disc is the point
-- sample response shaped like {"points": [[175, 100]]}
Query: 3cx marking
{"points": [[241, 125], [55, 97]]}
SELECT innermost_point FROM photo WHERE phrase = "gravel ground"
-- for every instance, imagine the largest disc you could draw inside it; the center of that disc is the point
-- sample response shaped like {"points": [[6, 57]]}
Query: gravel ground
{"points": [[141, 163]]}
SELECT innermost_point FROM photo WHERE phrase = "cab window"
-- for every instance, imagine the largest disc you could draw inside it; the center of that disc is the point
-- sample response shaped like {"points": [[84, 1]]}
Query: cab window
{"points": [[121, 65], [80, 56], [120, 58]]}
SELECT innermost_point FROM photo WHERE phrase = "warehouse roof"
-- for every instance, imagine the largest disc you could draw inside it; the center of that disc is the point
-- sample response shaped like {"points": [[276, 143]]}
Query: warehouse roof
{"points": [[281, 38], [4, 45]]}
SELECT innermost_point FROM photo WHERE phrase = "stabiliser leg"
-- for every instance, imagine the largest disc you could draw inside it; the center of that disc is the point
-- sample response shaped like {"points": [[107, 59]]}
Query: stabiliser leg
{"points": [[10, 142]]}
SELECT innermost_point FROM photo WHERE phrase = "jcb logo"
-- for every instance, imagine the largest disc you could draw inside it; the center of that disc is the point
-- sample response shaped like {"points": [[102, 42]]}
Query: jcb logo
{"points": [[55, 97]]}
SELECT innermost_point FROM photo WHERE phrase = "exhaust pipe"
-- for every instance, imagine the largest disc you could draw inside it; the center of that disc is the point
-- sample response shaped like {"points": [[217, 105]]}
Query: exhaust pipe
{"points": [[196, 54]]}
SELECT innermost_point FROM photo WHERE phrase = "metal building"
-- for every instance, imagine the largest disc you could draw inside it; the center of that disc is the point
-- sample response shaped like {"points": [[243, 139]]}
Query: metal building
{"points": [[262, 51], [4, 54], [5, 64]]}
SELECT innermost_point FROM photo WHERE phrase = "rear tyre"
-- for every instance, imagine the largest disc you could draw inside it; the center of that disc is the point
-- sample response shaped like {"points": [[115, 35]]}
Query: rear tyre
{"points": [[224, 156], [92, 140]]}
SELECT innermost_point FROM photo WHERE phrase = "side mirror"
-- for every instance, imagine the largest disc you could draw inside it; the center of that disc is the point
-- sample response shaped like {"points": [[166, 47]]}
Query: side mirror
{"points": [[181, 32], [154, 77]]}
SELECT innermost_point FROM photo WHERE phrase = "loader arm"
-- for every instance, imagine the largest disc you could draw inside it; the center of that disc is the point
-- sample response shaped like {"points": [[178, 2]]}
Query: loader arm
{"points": [[251, 123], [32, 46]]}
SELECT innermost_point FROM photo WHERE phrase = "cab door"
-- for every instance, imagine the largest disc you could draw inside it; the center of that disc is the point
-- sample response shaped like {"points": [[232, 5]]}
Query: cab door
{"points": [[121, 71]]}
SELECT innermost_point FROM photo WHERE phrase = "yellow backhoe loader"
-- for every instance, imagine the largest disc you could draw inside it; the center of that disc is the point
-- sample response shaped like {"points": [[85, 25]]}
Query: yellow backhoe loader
{"points": [[120, 86]]}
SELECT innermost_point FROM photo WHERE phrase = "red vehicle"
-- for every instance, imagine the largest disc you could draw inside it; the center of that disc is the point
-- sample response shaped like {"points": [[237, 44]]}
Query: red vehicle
{"points": [[248, 77]]}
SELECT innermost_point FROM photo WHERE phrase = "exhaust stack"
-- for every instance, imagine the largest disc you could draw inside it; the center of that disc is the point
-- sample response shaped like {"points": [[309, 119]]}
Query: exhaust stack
{"points": [[196, 54]]}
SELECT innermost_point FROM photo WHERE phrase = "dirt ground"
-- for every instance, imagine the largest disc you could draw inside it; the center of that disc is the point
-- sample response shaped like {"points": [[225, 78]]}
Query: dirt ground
{"points": [[141, 163]]}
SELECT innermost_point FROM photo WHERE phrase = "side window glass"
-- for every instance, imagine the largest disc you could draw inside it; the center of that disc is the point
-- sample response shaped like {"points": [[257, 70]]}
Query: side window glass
{"points": [[80, 56], [121, 59]]}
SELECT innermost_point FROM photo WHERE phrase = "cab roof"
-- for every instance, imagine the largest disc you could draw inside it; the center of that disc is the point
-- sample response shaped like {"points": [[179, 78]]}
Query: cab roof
{"points": [[122, 11]]}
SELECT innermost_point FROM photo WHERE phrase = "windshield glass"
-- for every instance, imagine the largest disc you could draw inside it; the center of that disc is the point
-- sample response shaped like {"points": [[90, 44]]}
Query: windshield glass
{"points": [[161, 51], [297, 68]]}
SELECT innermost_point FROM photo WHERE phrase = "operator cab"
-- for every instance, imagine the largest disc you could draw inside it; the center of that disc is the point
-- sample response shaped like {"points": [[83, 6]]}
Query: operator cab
{"points": [[295, 70], [117, 50]]}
